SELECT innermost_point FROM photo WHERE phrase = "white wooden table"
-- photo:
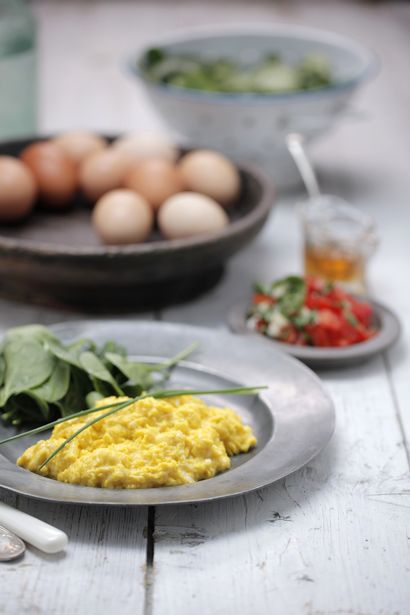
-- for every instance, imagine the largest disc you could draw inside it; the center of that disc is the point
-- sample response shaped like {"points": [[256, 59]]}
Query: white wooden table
{"points": [[333, 538]]}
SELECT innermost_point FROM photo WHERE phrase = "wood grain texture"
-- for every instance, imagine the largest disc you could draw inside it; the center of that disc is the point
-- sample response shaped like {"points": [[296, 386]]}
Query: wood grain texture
{"points": [[333, 538], [102, 569]]}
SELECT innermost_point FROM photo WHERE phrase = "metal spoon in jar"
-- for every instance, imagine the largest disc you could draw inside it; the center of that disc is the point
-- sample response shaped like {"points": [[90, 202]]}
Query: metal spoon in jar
{"points": [[339, 238], [295, 145], [11, 546]]}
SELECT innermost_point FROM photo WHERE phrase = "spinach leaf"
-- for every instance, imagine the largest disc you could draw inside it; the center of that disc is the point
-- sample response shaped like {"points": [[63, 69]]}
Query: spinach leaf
{"points": [[63, 353], [56, 386], [28, 364], [95, 367], [74, 400], [92, 398], [112, 346], [37, 332], [138, 373], [2, 370]]}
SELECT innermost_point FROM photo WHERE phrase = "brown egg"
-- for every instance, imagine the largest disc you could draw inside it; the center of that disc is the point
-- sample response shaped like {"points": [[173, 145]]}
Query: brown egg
{"points": [[18, 189], [79, 144], [155, 179], [212, 174], [122, 217], [54, 172], [144, 145], [187, 214], [102, 172]]}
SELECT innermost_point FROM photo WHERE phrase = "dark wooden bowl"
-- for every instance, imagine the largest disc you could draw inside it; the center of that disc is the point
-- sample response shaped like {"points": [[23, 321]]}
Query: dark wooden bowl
{"points": [[57, 258]]}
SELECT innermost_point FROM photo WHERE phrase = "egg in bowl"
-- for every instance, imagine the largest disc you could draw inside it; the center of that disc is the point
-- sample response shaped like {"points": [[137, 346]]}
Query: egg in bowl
{"points": [[150, 443]]}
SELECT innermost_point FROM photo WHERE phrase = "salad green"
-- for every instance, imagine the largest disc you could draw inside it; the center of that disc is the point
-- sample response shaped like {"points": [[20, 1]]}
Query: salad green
{"points": [[271, 75], [42, 379]]}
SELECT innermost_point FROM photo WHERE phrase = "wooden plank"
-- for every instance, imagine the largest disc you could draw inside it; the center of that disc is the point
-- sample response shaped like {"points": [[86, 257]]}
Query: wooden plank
{"points": [[324, 540], [102, 569]]}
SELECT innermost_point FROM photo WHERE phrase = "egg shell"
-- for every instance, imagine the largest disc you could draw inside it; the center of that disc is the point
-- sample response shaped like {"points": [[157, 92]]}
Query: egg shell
{"points": [[79, 144], [102, 172], [188, 214], [54, 172], [155, 179], [212, 174], [122, 217], [147, 145], [18, 189]]}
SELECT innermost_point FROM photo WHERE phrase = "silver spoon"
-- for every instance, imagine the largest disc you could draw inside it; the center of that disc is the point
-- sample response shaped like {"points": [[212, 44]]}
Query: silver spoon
{"points": [[295, 144], [11, 546]]}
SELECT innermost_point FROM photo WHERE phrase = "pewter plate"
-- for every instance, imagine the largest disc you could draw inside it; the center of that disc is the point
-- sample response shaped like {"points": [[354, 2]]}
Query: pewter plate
{"points": [[293, 419], [386, 321]]}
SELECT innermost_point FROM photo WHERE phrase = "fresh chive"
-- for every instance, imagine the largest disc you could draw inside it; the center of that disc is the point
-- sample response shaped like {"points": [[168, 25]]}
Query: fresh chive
{"points": [[48, 426], [180, 356]]}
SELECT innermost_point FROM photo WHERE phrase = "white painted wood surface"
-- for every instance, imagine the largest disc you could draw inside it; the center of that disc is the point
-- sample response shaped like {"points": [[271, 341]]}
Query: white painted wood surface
{"points": [[333, 538]]}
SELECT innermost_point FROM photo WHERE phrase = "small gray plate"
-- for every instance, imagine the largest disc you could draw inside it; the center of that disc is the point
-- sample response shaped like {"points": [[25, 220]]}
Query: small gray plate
{"points": [[385, 320], [293, 419]]}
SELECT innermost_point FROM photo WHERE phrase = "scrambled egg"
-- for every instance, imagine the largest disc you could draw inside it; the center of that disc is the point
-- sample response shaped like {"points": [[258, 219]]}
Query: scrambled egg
{"points": [[152, 443]]}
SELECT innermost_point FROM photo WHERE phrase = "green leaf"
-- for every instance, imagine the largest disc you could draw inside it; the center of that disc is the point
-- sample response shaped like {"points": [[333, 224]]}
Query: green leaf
{"points": [[78, 388], [63, 353], [37, 332], [42, 405], [138, 373], [28, 364], [92, 398], [263, 289], [57, 385], [293, 298], [351, 319], [112, 346], [95, 367], [2, 369]]}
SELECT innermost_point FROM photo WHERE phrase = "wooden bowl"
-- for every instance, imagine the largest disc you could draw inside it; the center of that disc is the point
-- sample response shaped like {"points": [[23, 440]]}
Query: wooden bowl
{"points": [[57, 257]]}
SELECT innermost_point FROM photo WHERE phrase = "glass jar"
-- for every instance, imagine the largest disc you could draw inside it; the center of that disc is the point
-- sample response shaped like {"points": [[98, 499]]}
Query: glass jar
{"points": [[338, 241], [18, 96]]}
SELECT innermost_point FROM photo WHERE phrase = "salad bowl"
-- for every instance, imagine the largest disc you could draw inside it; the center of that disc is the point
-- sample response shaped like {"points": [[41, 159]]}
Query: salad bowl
{"points": [[250, 127]]}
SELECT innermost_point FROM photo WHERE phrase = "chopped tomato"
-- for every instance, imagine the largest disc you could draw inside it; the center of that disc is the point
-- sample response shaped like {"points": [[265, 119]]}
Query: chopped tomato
{"points": [[325, 314], [261, 298]]}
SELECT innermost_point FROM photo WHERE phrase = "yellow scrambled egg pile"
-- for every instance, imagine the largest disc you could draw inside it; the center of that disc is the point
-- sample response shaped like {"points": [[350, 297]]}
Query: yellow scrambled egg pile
{"points": [[152, 443]]}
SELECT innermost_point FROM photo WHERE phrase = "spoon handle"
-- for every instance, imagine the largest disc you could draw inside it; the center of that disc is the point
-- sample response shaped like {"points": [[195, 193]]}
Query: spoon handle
{"points": [[295, 145], [37, 533]]}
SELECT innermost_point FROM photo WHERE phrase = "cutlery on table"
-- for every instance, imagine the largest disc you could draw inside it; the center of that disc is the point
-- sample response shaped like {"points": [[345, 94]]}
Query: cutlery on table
{"points": [[11, 546], [37, 533]]}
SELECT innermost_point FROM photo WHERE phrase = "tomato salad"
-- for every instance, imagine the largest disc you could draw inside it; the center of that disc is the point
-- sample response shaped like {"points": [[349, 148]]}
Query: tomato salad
{"points": [[310, 312]]}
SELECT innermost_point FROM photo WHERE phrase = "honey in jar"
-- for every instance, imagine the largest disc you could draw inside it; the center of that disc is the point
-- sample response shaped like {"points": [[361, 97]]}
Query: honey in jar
{"points": [[335, 265], [338, 240]]}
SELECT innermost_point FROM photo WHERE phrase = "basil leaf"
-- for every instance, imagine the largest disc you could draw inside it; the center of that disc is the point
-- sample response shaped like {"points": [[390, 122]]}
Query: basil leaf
{"points": [[294, 297], [28, 364], [56, 386], [263, 289]]}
